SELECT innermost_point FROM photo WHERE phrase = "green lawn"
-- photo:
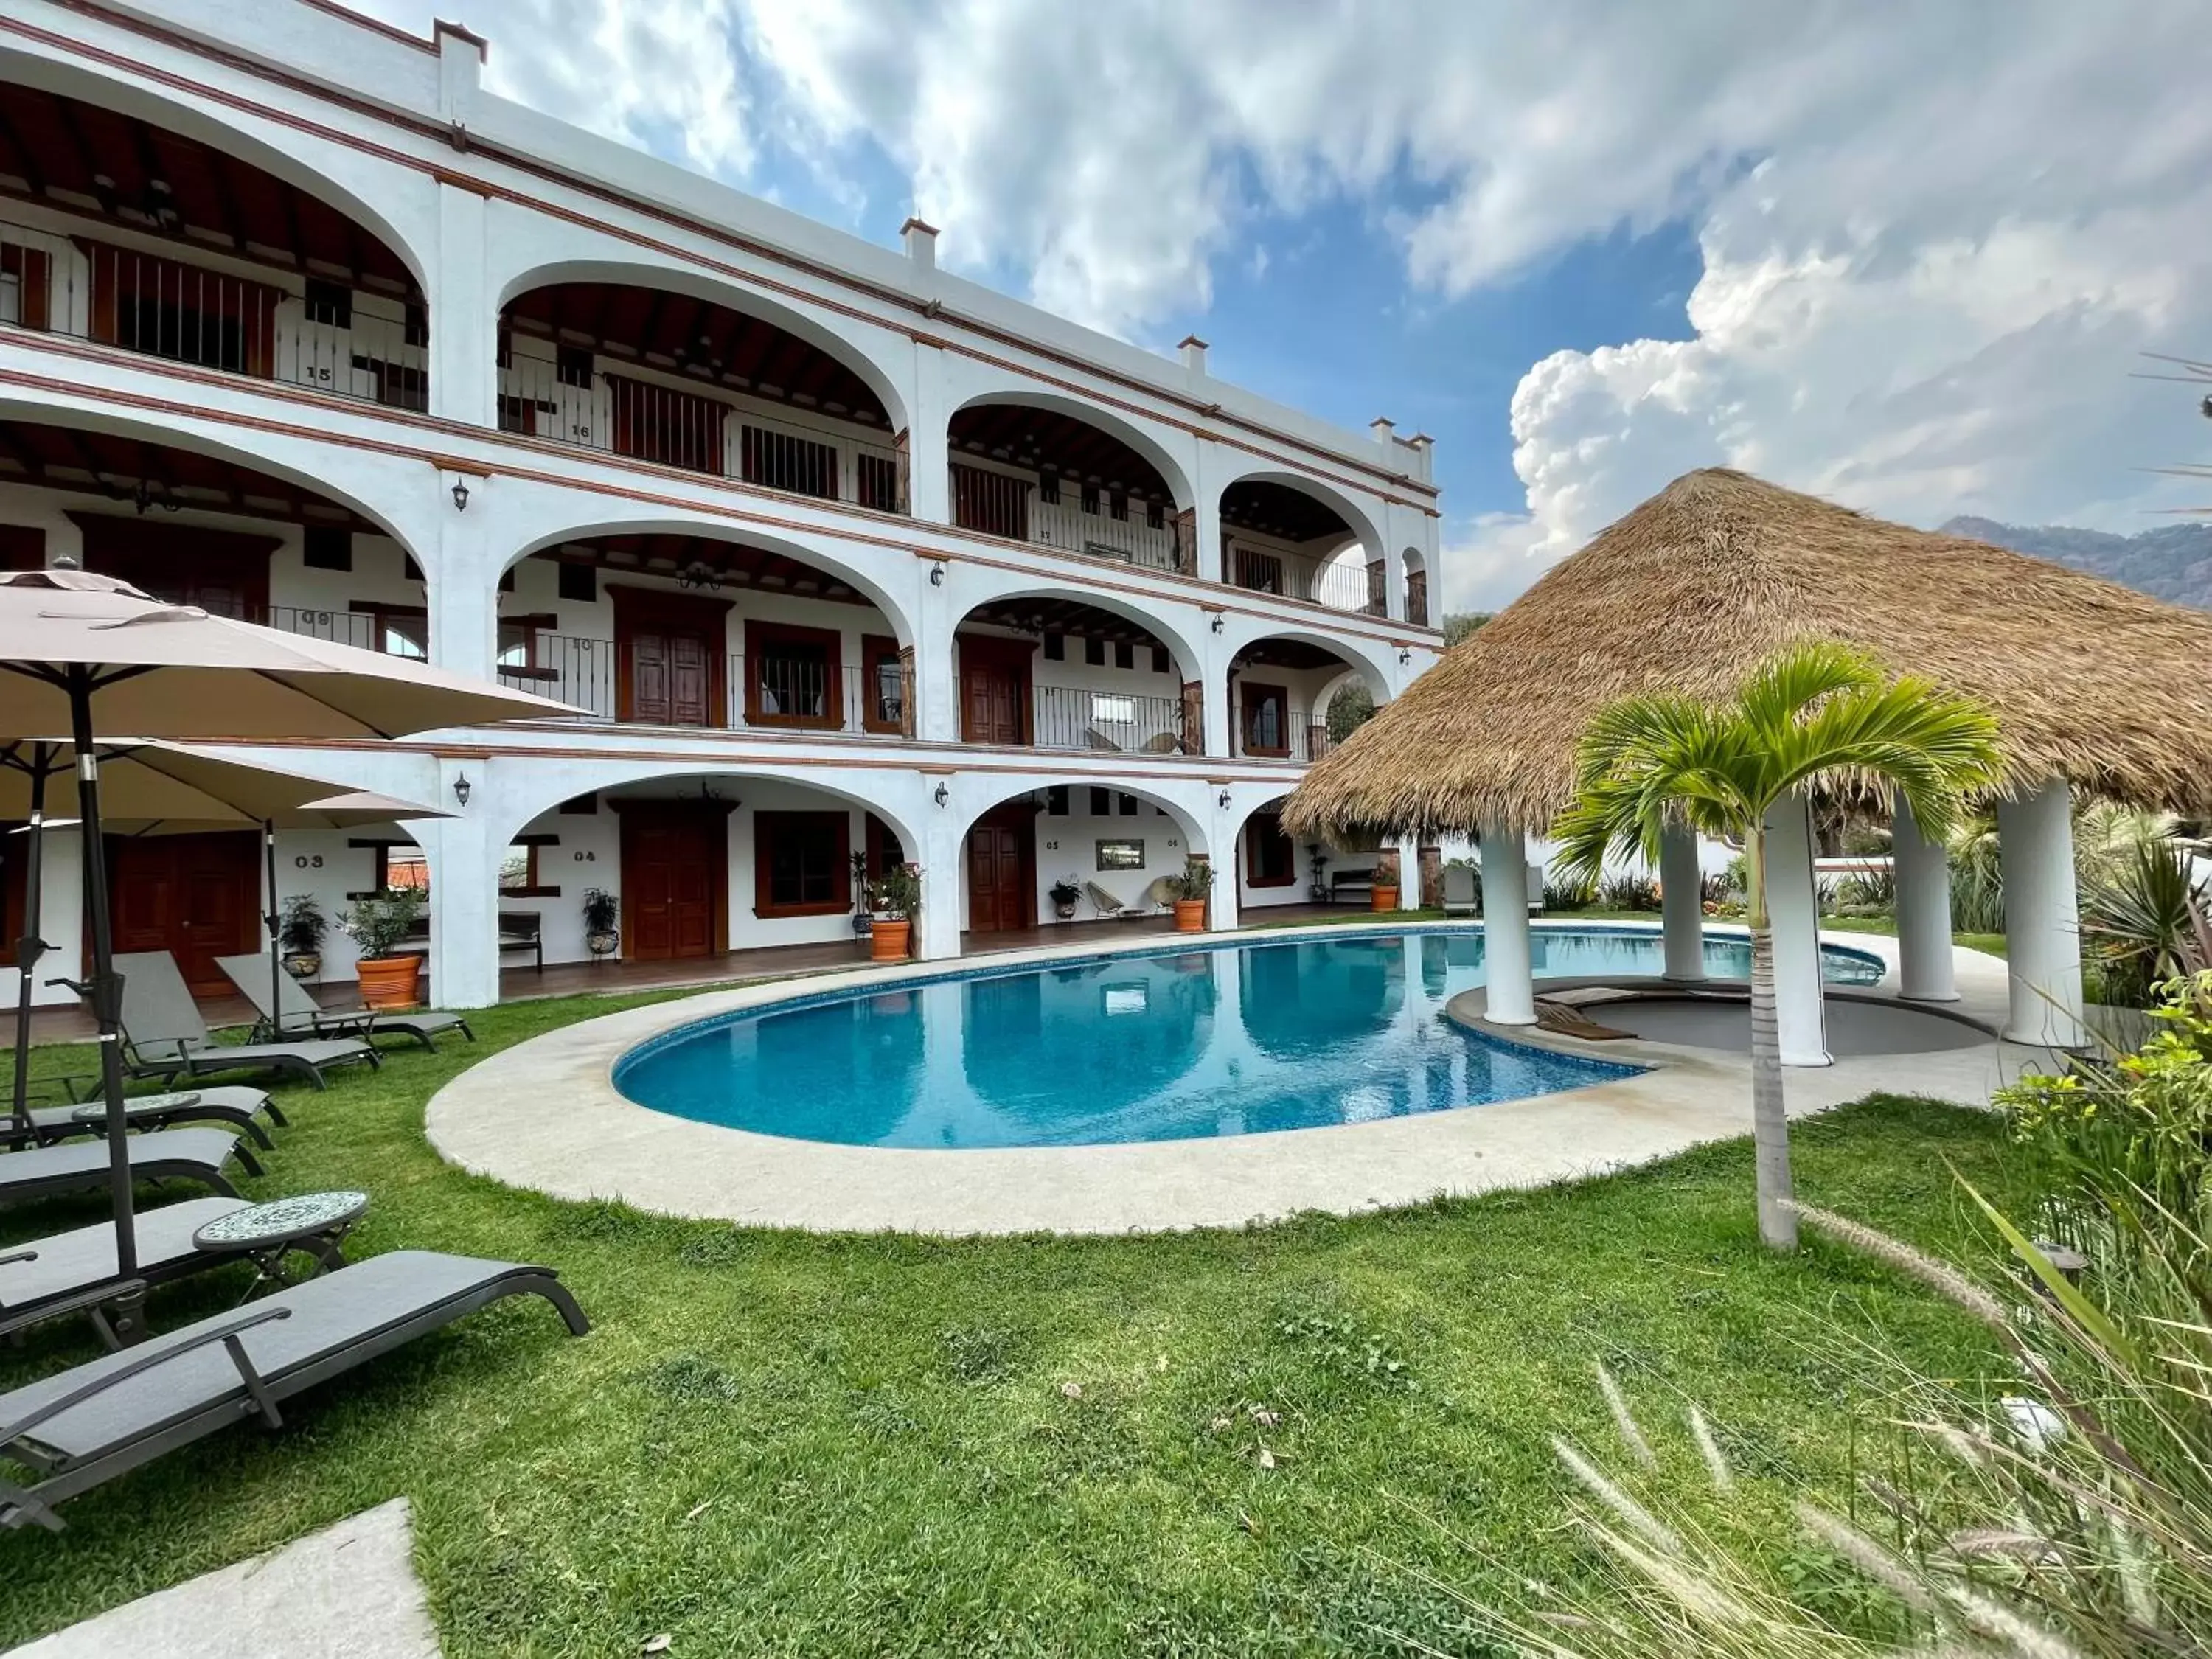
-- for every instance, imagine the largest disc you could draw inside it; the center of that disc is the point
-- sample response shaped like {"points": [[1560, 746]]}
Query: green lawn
{"points": [[782, 1444]]}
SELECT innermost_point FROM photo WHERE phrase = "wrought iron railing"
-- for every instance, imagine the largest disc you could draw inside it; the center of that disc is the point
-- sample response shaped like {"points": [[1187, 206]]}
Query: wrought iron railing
{"points": [[1068, 516], [664, 687], [1341, 583], [1108, 722], [1271, 731], [569, 400], [323, 336]]}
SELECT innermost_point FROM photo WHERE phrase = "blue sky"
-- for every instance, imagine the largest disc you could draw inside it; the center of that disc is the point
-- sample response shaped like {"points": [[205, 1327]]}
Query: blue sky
{"points": [[1905, 258]]}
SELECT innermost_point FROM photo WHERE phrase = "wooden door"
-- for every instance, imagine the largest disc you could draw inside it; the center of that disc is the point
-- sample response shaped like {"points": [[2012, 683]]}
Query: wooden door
{"points": [[1002, 872], [675, 871], [196, 896], [224, 572], [995, 691], [669, 657]]}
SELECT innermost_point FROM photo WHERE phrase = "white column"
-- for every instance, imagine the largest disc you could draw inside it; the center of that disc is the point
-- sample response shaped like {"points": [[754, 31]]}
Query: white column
{"points": [[929, 484], [1213, 680], [1923, 869], [1508, 980], [463, 315], [463, 580], [1793, 913], [943, 911], [1205, 475], [1410, 896], [1227, 857], [464, 960], [1682, 904], [2043, 919], [936, 698]]}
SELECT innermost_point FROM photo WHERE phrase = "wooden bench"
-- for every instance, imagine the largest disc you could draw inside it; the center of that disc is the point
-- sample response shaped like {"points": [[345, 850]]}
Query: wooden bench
{"points": [[1360, 882], [519, 930]]}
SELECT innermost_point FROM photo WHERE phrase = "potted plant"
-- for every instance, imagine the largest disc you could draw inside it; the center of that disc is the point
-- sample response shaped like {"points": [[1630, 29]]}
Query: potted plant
{"points": [[1066, 895], [377, 924], [601, 908], [1190, 890], [897, 900], [1384, 896], [300, 929]]}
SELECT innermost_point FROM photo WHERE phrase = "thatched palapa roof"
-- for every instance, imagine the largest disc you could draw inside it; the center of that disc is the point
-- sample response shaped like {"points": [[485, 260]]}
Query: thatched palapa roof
{"points": [[2090, 681]]}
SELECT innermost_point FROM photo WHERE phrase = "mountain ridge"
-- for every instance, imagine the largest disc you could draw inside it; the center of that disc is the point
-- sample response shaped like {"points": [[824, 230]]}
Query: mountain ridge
{"points": [[2172, 561]]}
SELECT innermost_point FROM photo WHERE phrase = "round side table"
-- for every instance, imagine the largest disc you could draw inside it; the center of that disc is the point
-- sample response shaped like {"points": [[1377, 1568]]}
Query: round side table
{"points": [[315, 1223]]}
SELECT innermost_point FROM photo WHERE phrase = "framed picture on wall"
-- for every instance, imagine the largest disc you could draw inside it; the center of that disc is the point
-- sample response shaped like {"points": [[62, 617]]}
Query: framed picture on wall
{"points": [[1121, 855]]}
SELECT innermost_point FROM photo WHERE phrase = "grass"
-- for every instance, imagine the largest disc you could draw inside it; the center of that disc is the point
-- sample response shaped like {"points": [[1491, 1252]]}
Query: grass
{"points": [[1991, 943], [775, 1442]]}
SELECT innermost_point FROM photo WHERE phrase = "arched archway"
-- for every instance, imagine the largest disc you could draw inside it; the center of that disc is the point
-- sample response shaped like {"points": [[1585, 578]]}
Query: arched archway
{"points": [[1416, 586], [681, 369], [1057, 667], [1287, 534], [707, 861], [175, 201], [1035, 466], [238, 531], [672, 621], [1107, 841], [1283, 687]]}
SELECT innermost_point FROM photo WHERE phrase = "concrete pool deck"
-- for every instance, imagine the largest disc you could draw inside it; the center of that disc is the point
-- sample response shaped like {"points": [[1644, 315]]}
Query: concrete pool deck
{"points": [[545, 1115]]}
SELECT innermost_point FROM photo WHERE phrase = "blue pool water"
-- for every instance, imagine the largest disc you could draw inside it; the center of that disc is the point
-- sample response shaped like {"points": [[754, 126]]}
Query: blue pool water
{"points": [[1169, 1045]]}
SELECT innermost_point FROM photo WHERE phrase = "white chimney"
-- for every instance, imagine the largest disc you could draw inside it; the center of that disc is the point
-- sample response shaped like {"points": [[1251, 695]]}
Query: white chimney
{"points": [[1382, 427], [921, 243], [1193, 354]]}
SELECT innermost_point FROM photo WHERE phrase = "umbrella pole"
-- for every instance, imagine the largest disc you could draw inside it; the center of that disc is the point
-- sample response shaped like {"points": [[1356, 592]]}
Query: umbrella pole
{"points": [[106, 988], [276, 961], [30, 947]]}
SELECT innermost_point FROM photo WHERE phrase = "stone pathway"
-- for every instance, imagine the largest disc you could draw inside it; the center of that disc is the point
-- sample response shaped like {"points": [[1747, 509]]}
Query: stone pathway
{"points": [[349, 1592]]}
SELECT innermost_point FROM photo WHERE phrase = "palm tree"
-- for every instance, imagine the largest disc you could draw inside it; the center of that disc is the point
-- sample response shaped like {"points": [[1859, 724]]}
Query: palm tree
{"points": [[1817, 715]]}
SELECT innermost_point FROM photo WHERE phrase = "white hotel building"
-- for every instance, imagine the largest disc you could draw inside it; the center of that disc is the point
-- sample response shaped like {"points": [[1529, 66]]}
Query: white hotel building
{"points": [[840, 554]]}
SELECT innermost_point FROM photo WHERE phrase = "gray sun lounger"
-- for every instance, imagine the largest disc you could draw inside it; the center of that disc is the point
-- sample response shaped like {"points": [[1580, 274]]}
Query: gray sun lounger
{"points": [[109, 1415], [164, 1036], [302, 1014], [236, 1104], [74, 1272], [165, 1154]]}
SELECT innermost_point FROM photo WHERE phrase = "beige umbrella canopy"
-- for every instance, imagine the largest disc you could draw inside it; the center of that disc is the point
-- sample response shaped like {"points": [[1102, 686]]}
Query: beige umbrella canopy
{"points": [[173, 670], [2089, 681], [168, 788], [83, 654]]}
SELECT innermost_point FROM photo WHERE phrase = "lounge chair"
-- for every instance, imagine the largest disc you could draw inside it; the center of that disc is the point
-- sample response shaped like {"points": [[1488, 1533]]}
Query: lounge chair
{"points": [[164, 1036], [74, 1165], [1109, 908], [236, 1104], [111, 1414], [1462, 896], [74, 1272], [1535, 889], [298, 1013]]}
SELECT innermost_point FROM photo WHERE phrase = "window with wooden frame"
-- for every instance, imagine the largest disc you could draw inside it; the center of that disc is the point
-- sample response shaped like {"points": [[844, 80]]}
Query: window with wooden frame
{"points": [[520, 873], [398, 630], [885, 854], [802, 864], [1270, 860], [882, 685], [27, 282], [165, 308], [1267, 720], [519, 647], [793, 676]]}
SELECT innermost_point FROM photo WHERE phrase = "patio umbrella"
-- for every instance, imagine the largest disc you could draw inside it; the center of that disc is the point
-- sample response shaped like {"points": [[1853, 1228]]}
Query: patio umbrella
{"points": [[82, 652], [155, 789]]}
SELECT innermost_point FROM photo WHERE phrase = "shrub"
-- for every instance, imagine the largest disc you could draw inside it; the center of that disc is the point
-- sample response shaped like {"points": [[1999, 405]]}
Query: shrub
{"points": [[377, 924], [2138, 1127], [1628, 889], [1564, 892], [1870, 892], [2145, 921], [1195, 881]]}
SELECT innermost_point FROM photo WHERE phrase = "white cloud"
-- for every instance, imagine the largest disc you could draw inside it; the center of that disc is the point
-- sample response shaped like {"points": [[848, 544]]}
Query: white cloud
{"points": [[1933, 237]]}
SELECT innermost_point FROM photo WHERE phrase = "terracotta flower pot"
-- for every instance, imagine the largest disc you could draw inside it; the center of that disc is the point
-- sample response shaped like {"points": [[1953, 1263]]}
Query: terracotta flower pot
{"points": [[390, 982], [888, 941], [1190, 915], [1382, 897]]}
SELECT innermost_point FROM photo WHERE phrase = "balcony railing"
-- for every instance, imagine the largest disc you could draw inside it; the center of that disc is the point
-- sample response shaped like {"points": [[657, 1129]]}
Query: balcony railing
{"points": [[570, 400], [1272, 732], [708, 690], [183, 312], [1072, 519], [1341, 583], [1108, 722]]}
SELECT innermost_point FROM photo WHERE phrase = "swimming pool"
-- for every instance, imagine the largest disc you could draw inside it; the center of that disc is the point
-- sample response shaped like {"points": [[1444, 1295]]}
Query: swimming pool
{"points": [[1181, 1043]]}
